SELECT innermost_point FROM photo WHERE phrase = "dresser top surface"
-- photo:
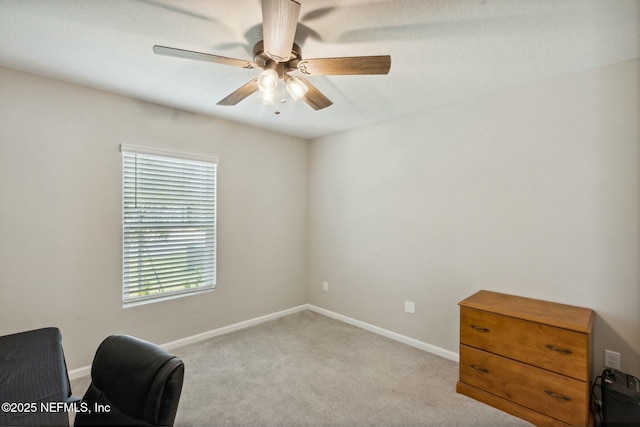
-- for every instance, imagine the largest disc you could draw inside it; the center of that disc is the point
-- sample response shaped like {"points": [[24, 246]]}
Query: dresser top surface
{"points": [[561, 315]]}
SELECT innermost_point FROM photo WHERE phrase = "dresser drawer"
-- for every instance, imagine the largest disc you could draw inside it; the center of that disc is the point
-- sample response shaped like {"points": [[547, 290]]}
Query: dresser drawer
{"points": [[549, 347], [552, 394]]}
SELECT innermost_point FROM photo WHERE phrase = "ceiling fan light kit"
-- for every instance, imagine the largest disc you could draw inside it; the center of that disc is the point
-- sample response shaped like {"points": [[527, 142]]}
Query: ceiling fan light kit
{"points": [[268, 81], [278, 55], [296, 88], [268, 98]]}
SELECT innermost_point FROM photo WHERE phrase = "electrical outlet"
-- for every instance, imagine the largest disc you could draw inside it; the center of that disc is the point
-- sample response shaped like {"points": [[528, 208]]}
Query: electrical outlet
{"points": [[325, 286], [612, 359], [410, 307]]}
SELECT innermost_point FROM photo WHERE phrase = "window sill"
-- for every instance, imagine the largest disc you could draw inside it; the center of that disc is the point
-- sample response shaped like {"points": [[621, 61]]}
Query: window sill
{"points": [[166, 298]]}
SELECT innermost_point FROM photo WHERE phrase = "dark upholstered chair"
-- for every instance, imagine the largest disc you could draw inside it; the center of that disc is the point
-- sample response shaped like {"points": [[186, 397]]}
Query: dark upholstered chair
{"points": [[140, 382]]}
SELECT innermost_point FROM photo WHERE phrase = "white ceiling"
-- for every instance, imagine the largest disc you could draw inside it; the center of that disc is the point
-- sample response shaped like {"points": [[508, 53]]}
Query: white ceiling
{"points": [[442, 51]]}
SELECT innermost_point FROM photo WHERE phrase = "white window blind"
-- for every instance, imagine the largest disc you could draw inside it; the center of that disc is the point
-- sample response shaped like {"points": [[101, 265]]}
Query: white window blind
{"points": [[169, 224]]}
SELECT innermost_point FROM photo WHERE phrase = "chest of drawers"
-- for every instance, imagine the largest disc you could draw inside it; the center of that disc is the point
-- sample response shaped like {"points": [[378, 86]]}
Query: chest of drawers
{"points": [[528, 357]]}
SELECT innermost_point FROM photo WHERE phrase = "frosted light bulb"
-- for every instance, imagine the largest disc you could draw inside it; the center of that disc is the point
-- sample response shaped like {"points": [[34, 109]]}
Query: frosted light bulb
{"points": [[296, 88], [268, 81]]}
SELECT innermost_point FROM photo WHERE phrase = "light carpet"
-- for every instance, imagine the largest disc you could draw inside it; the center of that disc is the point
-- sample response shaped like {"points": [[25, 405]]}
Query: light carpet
{"points": [[307, 369]]}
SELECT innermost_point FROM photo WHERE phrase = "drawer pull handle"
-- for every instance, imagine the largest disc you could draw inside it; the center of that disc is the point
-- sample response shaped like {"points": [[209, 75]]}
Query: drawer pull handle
{"points": [[479, 368], [480, 329], [557, 396], [559, 350]]}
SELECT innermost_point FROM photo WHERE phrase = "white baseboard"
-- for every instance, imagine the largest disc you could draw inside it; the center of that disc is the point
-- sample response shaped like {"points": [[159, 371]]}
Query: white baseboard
{"points": [[74, 374], [438, 351], [231, 328], [86, 370]]}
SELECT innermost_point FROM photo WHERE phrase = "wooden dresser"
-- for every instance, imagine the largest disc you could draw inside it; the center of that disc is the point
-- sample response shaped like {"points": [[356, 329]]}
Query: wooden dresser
{"points": [[527, 357]]}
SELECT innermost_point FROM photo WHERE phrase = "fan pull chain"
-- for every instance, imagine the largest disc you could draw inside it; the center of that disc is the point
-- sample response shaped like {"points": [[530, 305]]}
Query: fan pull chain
{"points": [[281, 87]]}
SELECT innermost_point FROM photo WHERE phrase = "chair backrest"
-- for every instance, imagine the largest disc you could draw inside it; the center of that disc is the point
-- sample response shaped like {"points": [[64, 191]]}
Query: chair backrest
{"points": [[137, 381]]}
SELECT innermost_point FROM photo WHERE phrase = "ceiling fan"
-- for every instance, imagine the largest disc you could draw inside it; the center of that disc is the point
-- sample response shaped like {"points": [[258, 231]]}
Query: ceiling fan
{"points": [[278, 55]]}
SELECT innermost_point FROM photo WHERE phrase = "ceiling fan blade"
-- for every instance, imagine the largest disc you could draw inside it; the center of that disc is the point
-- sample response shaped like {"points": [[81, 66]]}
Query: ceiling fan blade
{"points": [[241, 93], [279, 22], [346, 65], [188, 54], [314, 97]]}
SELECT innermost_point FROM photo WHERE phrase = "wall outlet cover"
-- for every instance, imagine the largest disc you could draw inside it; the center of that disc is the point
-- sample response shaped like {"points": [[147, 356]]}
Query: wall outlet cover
{"points": [[612, 359], [410, 307]]}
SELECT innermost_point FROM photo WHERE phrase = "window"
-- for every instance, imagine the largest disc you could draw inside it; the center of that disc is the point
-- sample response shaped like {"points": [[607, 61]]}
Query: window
{"points": [[169, 224]]}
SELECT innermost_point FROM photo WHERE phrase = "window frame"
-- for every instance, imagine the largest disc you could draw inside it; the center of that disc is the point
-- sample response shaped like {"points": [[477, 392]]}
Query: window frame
{"points": [[205, 232]]}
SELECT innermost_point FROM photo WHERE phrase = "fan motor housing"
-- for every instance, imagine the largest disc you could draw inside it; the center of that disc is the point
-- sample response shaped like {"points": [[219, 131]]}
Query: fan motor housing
{"points": [[263, 61]]}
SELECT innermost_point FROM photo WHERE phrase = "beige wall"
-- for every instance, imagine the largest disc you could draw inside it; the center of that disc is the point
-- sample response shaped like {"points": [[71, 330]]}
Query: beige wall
{"points": [[60, 215], [534, 192]]}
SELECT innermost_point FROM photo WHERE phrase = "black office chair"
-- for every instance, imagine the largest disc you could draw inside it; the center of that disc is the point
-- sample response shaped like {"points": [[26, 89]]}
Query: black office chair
{"points": [[133, 382]]}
